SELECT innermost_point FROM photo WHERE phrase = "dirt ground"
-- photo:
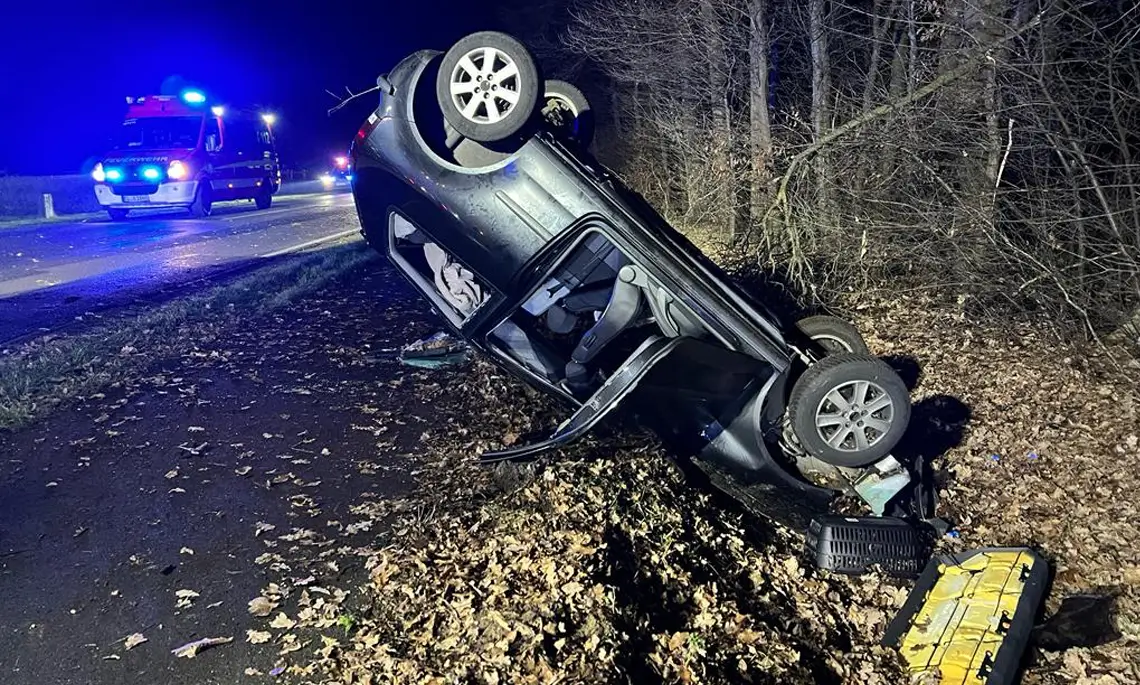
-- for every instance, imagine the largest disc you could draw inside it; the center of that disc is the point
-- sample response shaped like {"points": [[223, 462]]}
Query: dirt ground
{"points": [[393, 557]]}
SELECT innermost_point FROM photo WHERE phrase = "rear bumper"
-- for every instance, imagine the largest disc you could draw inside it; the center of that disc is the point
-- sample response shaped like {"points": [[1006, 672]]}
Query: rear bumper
{"points": [[179, 194]]}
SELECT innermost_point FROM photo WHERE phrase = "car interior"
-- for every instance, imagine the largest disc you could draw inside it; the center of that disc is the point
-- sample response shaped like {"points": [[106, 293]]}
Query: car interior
{"points": [[588, 316]]}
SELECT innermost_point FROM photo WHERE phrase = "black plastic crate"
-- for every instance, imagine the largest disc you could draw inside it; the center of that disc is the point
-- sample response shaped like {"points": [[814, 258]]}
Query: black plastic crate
{"points": [[851, 545]]}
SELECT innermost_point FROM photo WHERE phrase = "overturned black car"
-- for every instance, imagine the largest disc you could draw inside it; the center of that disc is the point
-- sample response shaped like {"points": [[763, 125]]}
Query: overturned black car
{"points": [[473, 177]]}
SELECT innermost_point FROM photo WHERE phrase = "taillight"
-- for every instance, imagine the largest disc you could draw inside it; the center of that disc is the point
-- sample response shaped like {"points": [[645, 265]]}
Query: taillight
{"points": [[97, 173], [177, 171], [366, 129]]}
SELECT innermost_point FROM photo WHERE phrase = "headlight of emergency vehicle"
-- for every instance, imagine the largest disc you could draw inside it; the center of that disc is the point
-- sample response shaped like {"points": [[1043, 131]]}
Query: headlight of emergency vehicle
{"points": [[177, 171], [97, 173]]}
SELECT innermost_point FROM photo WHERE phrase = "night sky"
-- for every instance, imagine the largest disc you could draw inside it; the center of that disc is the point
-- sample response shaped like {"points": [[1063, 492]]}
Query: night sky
{"points": [[66, 66]]}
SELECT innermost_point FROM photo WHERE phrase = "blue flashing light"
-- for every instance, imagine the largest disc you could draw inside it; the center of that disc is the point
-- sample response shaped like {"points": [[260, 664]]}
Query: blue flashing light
{"points": [[113, 174], [193, 97], [151, 173], [348, 177]]}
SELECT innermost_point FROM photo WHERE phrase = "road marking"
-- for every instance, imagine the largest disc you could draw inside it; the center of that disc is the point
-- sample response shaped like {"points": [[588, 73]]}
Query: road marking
{"points": [[309, 243]]}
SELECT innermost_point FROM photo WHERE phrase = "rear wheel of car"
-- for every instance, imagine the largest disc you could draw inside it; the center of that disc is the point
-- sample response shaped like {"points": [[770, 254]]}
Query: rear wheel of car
{"points": [[264, 197], [849, 409], [833, 334], [488, 86], [203, 204], [568, 111], [117, 214]]}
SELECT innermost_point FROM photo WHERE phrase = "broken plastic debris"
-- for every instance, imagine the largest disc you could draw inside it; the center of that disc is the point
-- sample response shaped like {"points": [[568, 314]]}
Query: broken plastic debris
{"points": [[437, 351]]}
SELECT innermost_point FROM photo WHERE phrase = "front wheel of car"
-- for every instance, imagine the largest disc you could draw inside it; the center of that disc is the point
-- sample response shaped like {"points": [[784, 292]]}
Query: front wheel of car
{"points": [[849, 409], [203, 203], [117, 214], [833, 334], [488, 86]]}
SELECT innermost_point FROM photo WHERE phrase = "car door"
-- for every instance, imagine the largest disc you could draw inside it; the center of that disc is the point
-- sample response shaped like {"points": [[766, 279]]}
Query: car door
{"points": [[663, 366]]}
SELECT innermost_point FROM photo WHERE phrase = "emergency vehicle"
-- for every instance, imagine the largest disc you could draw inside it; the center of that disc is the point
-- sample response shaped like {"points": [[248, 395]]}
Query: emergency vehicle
{"points": [[340, 176], [183, 151]]}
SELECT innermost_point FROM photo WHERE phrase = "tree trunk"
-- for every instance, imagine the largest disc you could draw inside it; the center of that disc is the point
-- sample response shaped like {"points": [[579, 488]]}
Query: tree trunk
{"points": [[820, 112], [879, 25], [721, 133], [760, 125]]}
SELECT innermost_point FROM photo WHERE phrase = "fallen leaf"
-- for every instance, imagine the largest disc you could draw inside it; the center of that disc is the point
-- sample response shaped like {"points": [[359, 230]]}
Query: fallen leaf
{"points": [[257, 637], [185, 594], [282, 621], [133, 640], [185, 550], [243, 470], [261, 606], [191, 649]]}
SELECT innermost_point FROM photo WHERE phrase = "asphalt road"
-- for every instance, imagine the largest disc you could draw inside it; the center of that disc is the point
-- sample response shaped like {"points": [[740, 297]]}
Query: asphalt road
{"points": [[55, 273], [191, 475]]}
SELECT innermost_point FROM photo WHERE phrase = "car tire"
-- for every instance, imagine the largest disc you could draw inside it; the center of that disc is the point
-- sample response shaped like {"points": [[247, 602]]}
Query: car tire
{"points": [[488, 113], [568, 111], [264, 197], [833, 334], [118, 214], [845, 396], [203, 204]]}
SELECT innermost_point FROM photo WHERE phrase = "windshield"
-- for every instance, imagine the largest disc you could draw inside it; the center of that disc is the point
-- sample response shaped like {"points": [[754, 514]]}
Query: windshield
{"points": [[159, 132]]}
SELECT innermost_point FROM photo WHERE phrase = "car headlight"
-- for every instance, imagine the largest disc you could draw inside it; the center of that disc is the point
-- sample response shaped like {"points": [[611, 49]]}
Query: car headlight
{"points": [[97, 173]]}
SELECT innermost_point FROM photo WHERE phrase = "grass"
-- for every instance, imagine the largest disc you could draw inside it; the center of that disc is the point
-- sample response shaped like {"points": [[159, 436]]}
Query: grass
{"points": [[45, 373], [22, 196]]}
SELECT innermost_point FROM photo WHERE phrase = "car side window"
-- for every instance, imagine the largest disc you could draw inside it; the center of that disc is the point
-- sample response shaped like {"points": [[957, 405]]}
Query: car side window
{"points": [[213, 135]]}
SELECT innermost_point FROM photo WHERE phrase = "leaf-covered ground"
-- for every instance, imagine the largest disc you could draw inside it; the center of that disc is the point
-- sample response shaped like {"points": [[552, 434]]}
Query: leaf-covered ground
{"points": [[602, 565], [319, 504]]}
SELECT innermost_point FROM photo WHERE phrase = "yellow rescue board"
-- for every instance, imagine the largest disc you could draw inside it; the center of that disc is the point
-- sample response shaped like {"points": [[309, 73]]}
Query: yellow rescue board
{"points": [[969, 616]]}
